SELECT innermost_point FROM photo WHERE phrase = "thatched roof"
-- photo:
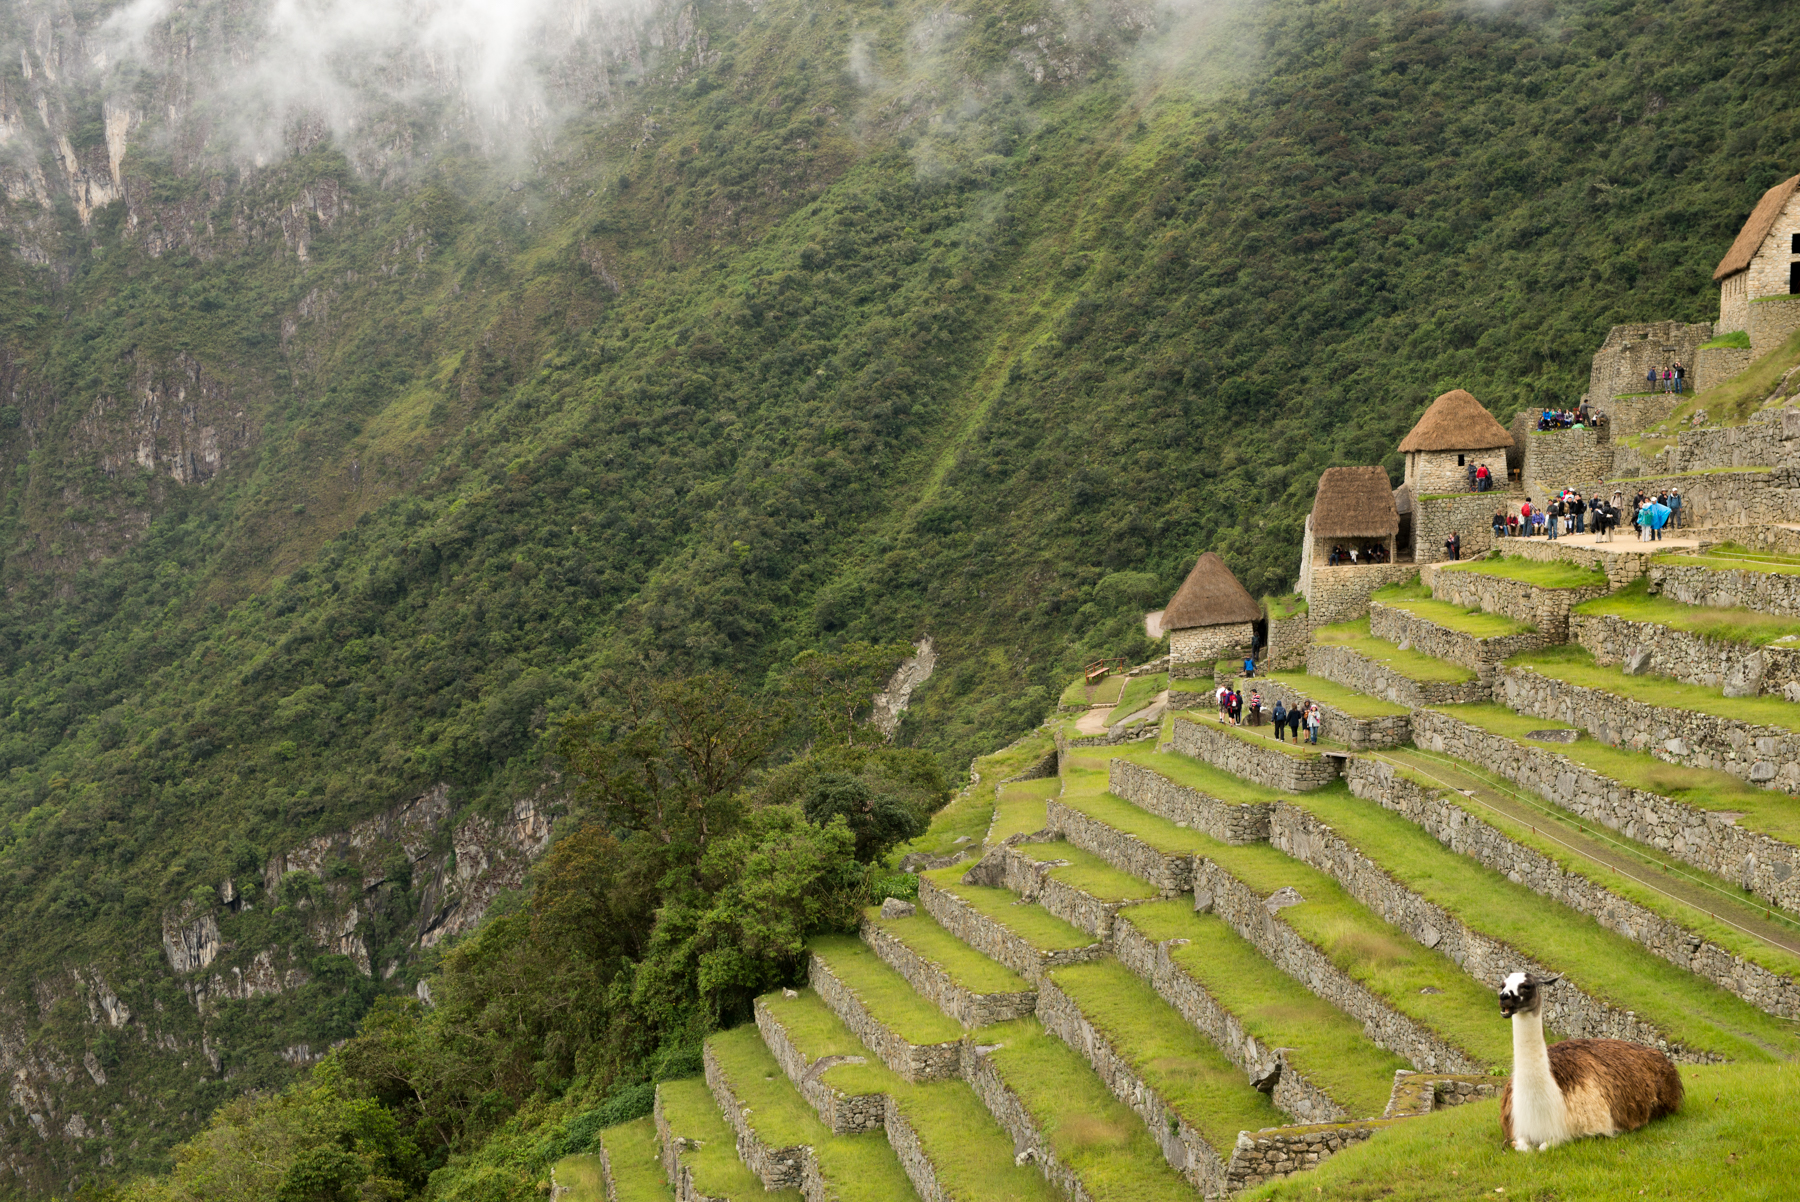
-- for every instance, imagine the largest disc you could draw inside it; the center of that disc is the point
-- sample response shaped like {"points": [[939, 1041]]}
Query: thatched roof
{"points": [[1210, 596], [1456, 422], [1354, 502], [1750, 238]]}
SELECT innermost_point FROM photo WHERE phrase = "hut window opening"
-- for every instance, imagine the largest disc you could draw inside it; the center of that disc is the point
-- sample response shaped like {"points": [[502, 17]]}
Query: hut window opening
{"points": [[1794, 244], [1459, 462], [1793, 278]]}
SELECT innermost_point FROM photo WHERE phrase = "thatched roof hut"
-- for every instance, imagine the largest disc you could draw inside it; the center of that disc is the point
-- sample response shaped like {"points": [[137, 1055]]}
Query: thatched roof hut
{"points": [[1456, 421], [1210, 596], [1354, 502], [1756, 229]]}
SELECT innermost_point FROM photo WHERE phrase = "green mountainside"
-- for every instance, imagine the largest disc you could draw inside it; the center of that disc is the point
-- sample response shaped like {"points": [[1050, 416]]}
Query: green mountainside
{"points": [[328, 491]]}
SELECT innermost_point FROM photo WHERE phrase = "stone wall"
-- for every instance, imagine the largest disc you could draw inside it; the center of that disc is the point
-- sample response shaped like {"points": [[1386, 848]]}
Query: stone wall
{"points": [[1193, 652], [1283, 1151], [1440, 471], [1354, 670], [1738, 498], [1442, 815], [1440, 642], [1764, 441], [1292, 1092], [1734, 303], [1270, 767], [914, 1062], [995, 941], [1437, 518], [1773, 319], [1763, 755], [1622, 565], [1626, 416], [680, 1176], [1693, 584], [1742, 668], [1287, 641], [1182, 1146], [1150, 790], [1009, 1111], [845, 1114], [1774, 540], [1710, 843], [1568, 1008], [779, 1168], [1341, 594], [1415, 1094], [1359, 734], [1006, 867], [1717, 364], [1545, 608], [1559, 459], [931, 982], [1631, 350], [1170, 873], [911, 1153]]}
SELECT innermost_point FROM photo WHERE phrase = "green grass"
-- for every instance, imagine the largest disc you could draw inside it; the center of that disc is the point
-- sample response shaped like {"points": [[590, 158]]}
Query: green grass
{"points": [[1279, 609], [1020, 808], [1733, 557], [966, 966], [1736, 340], [1634, 603], [636, 1167], [1474, 622], [1183, 770], [1263, 737], [1105, 690], [1329, 692], [970, 1152], [1138, 694], [694, 1115], [1088, 872], [884, 992], [1086, 791], [1606, 965], [1102, 1142], [1732, 1141], [1575, 664], [1323, 1043], [858, 1168], [1035, 925], [1552, 573], [1411, 664], [972, 811], [818, 1033], [1193, 1078]]}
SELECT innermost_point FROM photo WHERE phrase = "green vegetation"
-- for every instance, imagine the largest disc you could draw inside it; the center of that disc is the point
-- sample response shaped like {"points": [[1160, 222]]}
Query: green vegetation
{"points": [[1551, 573], [1731, 402], [693, 1115], [636, 1164], [971, 1153], [1329, 692], [1413, 665], [1634, 603], [579, 1177], [1475, 622], [1328, 1047], [1081, 695], [1288, 605], [1190, 1075], [1575, 664], [1730, 1141], [1183, 770], [818, 1033], [1101, 1141], [1019, 809], [1138, 694], [855, 1167], [1734, 557], [1736, 340], [884, 992], [972, 812], [1038, 927], [1088, 872], [966, 966]]}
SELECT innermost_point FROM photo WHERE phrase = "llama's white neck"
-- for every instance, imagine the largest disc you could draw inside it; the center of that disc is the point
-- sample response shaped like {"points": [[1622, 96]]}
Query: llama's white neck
{"points": [[1539, 1115]]}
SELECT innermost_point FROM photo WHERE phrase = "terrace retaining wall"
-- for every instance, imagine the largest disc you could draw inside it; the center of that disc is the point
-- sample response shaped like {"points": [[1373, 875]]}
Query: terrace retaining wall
{"points": [[1766, 592], [1764, 441], [1545, 608], [1621, 567], [1354, 670], [779, 1168], [1568, 1008], [1341, 594], [995, 941], [1768, 540], [1182, 1146], [1008, 868], [1763, 755], [1359, 734], [1441, 816], [1730, 498], [911, 1153], [931, 982], [1287, 641], [1151, 791], [1010, 1112], [1745, 668], [1267, 766], [1284, 947], [1283, 1151], [1170, 873], [680, 1176], [1479, 655], [1694, 836], [914, 1062], [845, 1114]]}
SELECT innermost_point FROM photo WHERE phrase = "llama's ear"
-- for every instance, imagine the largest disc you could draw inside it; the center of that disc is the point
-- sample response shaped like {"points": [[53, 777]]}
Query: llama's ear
{"points": [[1549, 980]]}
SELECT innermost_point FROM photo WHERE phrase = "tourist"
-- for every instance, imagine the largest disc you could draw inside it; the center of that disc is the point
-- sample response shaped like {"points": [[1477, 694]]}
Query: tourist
{"points": [[1312, 722], [1553, 518], [1512, 525], [1499, 523], [1249, 666], [1675, 508], [1579, 508], [1525, 518], [1469, 470], [1224, 698], [1650, 380], [1453, 546], [1481, 477], [1294, 716], [1237, 708], [1255, 708], [1280, 717]]}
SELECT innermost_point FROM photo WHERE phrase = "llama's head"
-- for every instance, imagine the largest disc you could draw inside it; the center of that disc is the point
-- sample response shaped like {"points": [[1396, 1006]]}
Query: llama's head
{"points": [[1522, 993]]}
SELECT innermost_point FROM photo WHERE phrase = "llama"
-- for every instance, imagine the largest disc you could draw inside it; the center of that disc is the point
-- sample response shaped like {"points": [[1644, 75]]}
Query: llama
{"points": [[1578, 1087]]}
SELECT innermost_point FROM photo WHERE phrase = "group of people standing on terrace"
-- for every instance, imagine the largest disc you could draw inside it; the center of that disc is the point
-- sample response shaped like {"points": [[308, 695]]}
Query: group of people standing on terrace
{"points": [[1302, 715], [1569, 512], [1671, 379]]}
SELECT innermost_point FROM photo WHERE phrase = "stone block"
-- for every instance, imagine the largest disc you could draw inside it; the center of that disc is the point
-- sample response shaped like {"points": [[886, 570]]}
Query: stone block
{"points": [[893, 907]]}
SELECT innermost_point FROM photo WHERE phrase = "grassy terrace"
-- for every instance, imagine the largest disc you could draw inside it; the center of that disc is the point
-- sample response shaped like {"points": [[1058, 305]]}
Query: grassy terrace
{"points": [[858, 1168], [1633, 603], [1329, 692], [884, 992], [1606, 965], [1088, 1129], [1190, 1075], [1089, 873], [971, 811], [1104, 692], [1264, 736], [1732, 1141], [1552, 573], [1392, 965], [1574, 664], [1732, 557], [1773, 813], [818, 1033], [1322, 1042], [694, 1115], [1413, 665], [1281, 608], [1019, 810], [1416, 599], [966, 966], [637, 1169], [1137, 695], [1195, 774], [1035, 925]]}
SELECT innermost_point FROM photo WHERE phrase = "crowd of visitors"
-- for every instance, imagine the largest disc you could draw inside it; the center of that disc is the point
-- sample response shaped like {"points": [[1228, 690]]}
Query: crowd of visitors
{"points": [[1670, 379], [1237, 709], [1571, 512]]}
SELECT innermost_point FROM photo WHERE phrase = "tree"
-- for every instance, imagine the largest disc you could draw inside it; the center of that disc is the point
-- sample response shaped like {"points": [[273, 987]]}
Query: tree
{"points": [[840, 686]]}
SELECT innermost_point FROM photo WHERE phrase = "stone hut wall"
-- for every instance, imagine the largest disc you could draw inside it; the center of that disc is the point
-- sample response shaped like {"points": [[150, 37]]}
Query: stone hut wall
{"points": [[1359, 734], [1471, 516], [1766, 592], [1631, 350], [1773, 319], [1267, 766], [1440, 815], [1545, 608], [1439, 471], [1149, 790], [1710, 843], [1716, 364], [1559, 459], [1441, 642], [1353, 670], [1734, 303], [1193, 652], [1743, 668], [1341, 594], [1287, 641]]}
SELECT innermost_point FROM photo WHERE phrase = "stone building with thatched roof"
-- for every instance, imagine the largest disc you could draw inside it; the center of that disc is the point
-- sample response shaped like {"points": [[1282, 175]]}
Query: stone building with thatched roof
{"points": [[1763, 262], [1354, 507], [1210, 617], [1455, 432]]}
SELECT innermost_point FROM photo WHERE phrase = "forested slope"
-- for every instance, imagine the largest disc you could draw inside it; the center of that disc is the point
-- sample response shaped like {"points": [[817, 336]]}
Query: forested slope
{"points": [[832, 323]]}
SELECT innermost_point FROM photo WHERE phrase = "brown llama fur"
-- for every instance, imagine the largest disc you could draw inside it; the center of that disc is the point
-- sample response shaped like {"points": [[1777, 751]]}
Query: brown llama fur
{"points": [[1632, 1082]]}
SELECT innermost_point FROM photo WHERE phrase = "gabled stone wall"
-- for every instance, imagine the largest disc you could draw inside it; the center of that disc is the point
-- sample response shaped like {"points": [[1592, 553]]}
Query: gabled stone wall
{"points": [[1772, 320], [1267, 766]]}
